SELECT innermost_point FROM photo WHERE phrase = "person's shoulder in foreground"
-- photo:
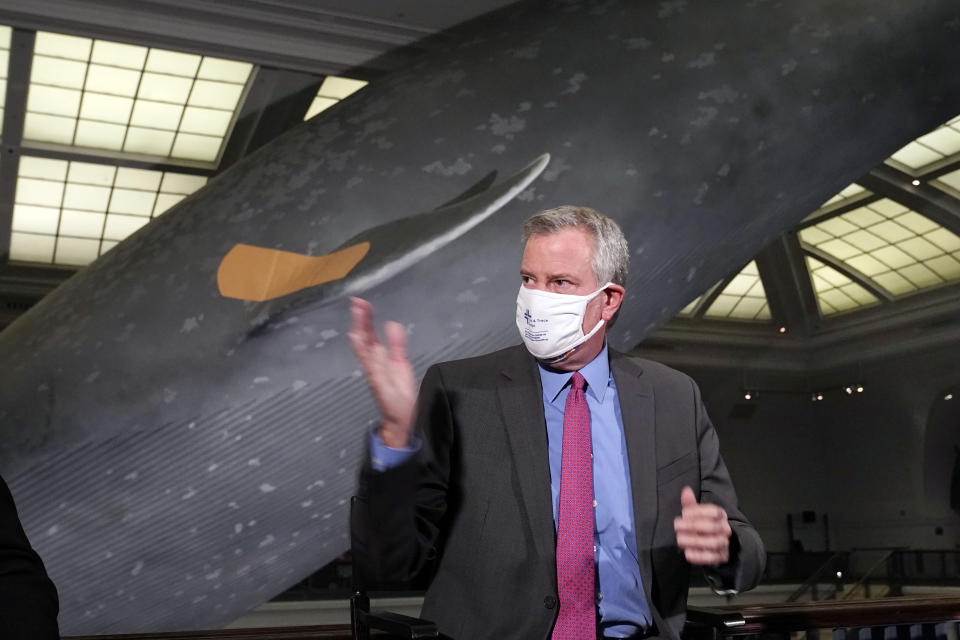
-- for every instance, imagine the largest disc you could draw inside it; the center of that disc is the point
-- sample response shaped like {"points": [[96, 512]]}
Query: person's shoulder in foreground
{"points": [[28, 599]]}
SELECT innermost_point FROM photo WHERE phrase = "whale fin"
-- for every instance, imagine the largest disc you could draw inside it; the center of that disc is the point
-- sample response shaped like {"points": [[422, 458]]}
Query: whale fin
{"points": [[260, 274], [481, 185]]}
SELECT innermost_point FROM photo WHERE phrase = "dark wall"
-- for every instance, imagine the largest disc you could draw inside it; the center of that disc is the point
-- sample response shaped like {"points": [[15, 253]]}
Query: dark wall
{"points": [[878, 463]]}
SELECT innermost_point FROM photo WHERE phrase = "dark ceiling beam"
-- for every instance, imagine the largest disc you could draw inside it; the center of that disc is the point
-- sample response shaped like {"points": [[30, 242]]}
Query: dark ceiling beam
{"points": [[925, 199], [839, 208], [276, 101], [14, 113], [943, 167], [303, 37], [710, 296], [786, 282], [120, 159], [854, 274]]}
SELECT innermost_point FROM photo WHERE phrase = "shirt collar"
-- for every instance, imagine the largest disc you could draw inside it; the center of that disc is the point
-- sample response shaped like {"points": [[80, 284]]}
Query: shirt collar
{"points": [[596, 373]]}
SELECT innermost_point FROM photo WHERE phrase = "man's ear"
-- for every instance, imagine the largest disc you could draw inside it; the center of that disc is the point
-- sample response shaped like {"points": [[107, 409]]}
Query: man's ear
{"points": [[612, 299]]}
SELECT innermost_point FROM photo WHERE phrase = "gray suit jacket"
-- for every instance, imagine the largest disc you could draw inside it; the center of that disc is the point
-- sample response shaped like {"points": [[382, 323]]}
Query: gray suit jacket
{"points": [[474, 506]]}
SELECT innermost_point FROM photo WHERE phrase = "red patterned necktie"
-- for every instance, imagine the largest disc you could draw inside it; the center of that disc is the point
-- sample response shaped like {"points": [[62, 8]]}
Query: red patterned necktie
{"points": [[577, 619]]}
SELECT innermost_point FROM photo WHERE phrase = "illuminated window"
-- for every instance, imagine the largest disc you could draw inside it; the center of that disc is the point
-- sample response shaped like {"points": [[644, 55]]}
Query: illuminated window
{"points": [[849, 193], [121, 97], [333, 90], [70, 213], [5, 33], [688, 310], [899, 249], [942, 142], [949, 182], [835, 291], [743, 298]]}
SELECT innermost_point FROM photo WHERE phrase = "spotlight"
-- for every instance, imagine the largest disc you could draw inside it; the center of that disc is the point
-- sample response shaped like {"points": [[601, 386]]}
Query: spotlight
{"points": [[783, 329], [849, 390], [949, 396], [916, 183], [816, 396], [839, 574], [747, 396], [859, 388]]}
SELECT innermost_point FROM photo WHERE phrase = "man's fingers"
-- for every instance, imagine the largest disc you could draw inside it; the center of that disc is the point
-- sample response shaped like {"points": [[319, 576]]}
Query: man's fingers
{"points": [[396, 340], [700, 557], [709, 543], [687, 498], [361, 315], [705, 510], [701, 524]]}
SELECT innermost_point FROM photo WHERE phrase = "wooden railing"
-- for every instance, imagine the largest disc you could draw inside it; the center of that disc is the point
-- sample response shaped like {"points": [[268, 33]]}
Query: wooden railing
{"points": [[915, 618], [896, 618]]}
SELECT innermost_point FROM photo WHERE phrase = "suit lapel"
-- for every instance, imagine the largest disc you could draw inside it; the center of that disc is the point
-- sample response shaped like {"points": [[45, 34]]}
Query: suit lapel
{"points": [[637, 409], [521, 403]]}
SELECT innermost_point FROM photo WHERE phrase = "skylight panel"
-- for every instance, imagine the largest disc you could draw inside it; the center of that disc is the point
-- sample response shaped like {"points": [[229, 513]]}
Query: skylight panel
{"points": [[5, 33], [127, 98], [835, 291], [688, 310], [849, 192], [333, 90], [743, 298], [70, 213], [943, 142], [949, 182], [899, 249]]}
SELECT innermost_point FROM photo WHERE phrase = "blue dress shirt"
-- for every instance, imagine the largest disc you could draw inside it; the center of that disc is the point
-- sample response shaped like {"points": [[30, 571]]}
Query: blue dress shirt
{"points": [[621, 602]]}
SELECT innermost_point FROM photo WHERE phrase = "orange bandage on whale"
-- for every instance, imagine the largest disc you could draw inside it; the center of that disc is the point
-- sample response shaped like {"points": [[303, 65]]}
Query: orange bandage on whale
{"points": [[259, 274]]}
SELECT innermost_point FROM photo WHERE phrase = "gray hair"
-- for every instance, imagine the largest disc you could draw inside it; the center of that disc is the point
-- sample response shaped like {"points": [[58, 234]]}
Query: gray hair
{"points": [[611, 258]]}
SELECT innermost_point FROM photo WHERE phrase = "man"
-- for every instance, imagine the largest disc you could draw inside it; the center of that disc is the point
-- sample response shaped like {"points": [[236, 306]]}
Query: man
{"points": [[556, 489], [28, 599]]}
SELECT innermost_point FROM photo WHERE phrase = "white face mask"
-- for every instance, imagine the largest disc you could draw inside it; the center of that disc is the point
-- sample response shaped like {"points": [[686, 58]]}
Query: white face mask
{"points": [[551, 324]]}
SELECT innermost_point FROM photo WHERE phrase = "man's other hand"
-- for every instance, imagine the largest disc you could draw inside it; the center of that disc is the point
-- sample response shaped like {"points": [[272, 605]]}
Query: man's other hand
{"points": [[388, 371], [702, 531]]}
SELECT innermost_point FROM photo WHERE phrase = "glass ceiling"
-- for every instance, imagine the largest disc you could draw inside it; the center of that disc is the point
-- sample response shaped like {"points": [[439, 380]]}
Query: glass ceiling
{"points": [[4, 65], [898, 249], [70, 213], [743, 298], [848, 193], [333, 90], [120, 97], [929, 149], [835, 291], [688, 310]]}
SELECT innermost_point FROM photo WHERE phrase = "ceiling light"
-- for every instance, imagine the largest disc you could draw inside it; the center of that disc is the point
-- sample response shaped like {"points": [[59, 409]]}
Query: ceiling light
{"points": [[816, 396], [783, 329], [859, 388], [747, 396], [839, 574], [949, 396], [916, 183], [848, 389]]}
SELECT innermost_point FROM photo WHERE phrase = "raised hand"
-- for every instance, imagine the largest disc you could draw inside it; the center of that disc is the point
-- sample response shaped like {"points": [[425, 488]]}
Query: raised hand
{"points": [[702, 531], [388, 371]]}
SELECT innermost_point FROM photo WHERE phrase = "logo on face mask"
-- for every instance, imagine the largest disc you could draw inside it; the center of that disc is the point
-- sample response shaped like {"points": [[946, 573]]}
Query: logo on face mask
{"points": [[557, 326]]}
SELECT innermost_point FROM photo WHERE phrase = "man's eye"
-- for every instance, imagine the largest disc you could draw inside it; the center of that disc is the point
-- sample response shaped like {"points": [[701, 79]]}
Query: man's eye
{"points": [[562, 283]]}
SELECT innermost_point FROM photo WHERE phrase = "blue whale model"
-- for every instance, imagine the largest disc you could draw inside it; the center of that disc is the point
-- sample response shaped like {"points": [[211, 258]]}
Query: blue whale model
{"points": [[181, 452]]}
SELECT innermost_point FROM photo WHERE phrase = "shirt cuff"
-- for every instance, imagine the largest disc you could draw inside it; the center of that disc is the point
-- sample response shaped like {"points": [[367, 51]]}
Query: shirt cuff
{"points": [[383, 457]]}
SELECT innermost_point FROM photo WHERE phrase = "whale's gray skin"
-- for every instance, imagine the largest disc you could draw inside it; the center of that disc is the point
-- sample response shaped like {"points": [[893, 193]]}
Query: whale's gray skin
{"points": [[173, 474]]}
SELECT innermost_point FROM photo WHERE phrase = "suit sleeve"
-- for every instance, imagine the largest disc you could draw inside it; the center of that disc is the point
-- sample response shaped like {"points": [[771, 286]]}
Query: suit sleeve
{"points": [[747, 554], [397, 514], [28, 599]]}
